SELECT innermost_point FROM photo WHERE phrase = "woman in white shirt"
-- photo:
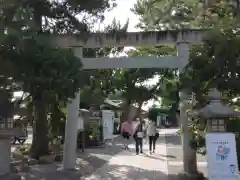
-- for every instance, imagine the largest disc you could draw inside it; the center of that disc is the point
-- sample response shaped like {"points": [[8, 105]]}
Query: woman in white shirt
{"points": [[151, 133]]}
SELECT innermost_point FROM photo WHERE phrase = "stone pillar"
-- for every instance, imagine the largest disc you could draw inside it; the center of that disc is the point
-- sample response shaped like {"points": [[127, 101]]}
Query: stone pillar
{"points": [[185, 136], [70, 142], [183, 54], [5, 154], [189, 154]]}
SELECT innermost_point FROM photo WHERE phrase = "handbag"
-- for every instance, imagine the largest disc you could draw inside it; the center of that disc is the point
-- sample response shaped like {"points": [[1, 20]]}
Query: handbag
{"points": [[140, 134], [157, 135]]}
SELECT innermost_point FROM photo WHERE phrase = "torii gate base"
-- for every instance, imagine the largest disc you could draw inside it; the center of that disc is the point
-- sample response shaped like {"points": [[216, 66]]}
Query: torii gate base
{"points": [[180, 38]]}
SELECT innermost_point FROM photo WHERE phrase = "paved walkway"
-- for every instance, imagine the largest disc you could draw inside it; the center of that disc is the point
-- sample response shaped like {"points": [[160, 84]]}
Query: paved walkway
{"points": [[129, 166], [112, 163], [175, 154]]}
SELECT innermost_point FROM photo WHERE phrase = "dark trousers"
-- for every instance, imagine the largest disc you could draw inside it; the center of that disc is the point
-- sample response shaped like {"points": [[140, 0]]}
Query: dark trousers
{"points": [[139, 144], [152, 143]]}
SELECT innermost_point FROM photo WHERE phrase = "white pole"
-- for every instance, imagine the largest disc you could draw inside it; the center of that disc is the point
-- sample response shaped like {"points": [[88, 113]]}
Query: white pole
{"points": [[70, 142]]}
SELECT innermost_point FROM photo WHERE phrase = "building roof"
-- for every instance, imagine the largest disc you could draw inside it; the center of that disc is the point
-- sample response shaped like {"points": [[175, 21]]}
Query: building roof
{"points": [[118, 104]]}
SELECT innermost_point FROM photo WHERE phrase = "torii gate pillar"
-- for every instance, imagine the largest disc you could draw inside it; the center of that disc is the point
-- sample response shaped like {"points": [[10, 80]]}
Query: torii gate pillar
{"points": [[70, 141], [189, 155]]}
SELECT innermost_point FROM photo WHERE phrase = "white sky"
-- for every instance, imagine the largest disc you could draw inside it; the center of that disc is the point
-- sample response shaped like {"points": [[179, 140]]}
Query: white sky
{"points": [[122, 12]]}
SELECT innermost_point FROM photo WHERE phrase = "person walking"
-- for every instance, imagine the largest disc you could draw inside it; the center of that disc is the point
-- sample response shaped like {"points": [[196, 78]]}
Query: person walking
{"points": [[138, 136], [126, 131], [152, 135]]}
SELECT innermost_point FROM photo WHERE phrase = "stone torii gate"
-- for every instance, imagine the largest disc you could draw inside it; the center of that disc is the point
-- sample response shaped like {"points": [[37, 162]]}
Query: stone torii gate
{"points": [[181, 39]]}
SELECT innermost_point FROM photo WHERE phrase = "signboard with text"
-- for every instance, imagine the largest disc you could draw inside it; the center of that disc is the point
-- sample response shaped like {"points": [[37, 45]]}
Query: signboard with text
{"points": [[221, 156]]}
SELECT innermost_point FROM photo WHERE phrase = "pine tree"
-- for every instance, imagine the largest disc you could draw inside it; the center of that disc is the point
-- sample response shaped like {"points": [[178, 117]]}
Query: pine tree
{"points": [[46, 72]]}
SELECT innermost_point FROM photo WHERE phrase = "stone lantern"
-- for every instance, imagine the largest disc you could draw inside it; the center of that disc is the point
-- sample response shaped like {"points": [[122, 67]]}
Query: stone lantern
{"points": [[7, 130], [216, 112]]}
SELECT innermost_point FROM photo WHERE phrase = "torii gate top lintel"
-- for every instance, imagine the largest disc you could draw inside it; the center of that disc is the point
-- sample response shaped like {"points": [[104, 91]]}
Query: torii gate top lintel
{"points": [[123, 39]]}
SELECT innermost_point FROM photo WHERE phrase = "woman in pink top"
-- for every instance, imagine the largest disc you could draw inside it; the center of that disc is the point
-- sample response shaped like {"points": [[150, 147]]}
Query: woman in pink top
{"points": [[126, 131]]}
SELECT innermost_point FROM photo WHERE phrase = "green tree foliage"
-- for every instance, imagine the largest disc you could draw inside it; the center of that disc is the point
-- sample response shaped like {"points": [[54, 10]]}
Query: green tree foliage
{"points": [[215, 64], [7, 88], [153, 113], [161, 14], [128, 82], [131, 84], [221, 12], [211, 64], [99, 84], [156, 15], [167, 14], [44, 71], [172, 14], [6, 106], [164, 75]]}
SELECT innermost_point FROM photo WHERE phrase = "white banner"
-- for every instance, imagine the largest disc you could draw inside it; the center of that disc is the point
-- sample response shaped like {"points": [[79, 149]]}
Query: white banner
{"points": [[221, 156]]}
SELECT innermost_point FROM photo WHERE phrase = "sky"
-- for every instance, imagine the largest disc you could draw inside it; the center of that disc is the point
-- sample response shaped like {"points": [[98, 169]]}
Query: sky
{"points": [[122, 12]]}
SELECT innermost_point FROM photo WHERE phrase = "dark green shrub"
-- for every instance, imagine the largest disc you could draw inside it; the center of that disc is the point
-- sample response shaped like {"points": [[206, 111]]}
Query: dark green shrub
{"points": [[234, 126]]}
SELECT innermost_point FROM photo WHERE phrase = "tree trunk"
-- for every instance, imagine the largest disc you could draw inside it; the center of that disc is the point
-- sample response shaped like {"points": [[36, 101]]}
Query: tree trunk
{"points": [[172, 114], [40, 128], [192, 162], [126, 110], [192, 168]]}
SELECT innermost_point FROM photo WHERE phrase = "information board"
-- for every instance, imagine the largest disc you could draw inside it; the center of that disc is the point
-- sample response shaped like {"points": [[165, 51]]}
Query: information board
{"points": [[221, 156]]}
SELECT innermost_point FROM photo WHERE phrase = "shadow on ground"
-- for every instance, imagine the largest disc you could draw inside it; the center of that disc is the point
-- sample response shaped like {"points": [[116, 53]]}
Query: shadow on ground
{"points": [[86, 163], [89, 164], [115, 172], [122, 172], [169, 156], [94, 158]]}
